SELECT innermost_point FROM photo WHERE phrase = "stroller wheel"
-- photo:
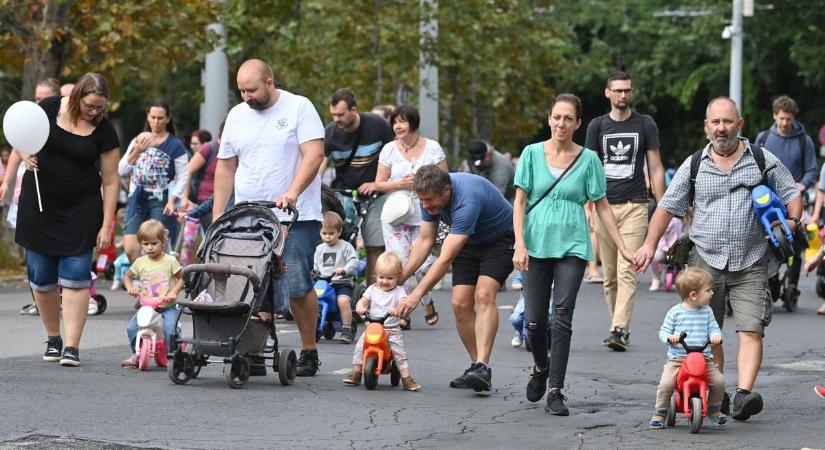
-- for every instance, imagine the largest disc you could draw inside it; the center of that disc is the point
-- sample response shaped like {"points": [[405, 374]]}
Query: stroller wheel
{"points": [[236, 372], [180, 367], [101, 304], [287, 366]]}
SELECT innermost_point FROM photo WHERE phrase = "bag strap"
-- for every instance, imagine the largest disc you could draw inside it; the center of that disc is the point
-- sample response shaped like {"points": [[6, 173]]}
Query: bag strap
{"points": [[213, 152], [696, 161], [530, 208]]}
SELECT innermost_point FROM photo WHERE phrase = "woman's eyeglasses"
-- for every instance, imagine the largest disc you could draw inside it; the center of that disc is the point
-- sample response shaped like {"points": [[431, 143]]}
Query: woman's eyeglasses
{"points": [[91, 109]]}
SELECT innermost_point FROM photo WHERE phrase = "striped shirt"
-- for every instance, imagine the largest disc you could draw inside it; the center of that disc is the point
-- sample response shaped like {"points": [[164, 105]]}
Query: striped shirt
{"points": [[699, 325], [724, 225]]}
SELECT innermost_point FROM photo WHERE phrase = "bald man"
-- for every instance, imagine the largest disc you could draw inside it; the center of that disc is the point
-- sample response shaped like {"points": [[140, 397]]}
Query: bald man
{"points": [[271, 149]]}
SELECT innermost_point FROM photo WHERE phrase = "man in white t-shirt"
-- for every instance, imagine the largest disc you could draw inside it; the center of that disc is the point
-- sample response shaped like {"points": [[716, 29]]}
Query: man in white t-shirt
{"points": [[271, 149]]}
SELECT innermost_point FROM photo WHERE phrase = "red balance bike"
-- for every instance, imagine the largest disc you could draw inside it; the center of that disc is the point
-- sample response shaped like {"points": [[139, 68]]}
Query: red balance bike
{"points": [[378, 354], [691, 393]]}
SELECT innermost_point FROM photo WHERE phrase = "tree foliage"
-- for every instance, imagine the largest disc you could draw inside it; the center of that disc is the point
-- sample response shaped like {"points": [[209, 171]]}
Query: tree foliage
{"points": [[500, 61]]}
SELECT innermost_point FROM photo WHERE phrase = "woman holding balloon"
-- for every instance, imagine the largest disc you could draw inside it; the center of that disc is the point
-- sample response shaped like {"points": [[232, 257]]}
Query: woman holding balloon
{"points": [[62, 215]]}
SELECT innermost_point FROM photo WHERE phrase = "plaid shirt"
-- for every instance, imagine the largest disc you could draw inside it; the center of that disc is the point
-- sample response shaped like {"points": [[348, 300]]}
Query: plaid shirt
{"points": [[724, 225]]}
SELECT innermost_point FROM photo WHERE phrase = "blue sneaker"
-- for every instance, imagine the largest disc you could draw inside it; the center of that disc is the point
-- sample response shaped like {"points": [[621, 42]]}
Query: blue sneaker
{"points": [[719, 420], [657, 422]]}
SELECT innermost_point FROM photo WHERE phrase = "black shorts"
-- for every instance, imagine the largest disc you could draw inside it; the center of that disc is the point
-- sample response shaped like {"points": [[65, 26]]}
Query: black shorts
{"points": [[343, 289], [493, 259]]}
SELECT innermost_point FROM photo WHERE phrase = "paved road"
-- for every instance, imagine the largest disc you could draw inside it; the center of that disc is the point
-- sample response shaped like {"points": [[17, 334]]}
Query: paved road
{"points": [[610, 394]]}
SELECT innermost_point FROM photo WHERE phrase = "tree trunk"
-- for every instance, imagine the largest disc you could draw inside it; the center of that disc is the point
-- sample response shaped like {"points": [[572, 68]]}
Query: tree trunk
{"points": [[47, 62]]}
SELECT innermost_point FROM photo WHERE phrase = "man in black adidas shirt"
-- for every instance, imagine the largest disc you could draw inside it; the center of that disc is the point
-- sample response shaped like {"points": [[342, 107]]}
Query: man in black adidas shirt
{"points": [[624, 140], [366, 134]]}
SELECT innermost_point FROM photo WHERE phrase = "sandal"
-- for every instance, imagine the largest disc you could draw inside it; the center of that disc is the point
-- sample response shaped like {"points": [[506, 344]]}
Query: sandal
{"points": [[430, 314], [593, 279]]}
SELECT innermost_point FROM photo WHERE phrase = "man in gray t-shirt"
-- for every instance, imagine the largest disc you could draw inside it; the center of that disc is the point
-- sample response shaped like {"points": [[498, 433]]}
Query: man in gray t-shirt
{"points": [[484, 160]]}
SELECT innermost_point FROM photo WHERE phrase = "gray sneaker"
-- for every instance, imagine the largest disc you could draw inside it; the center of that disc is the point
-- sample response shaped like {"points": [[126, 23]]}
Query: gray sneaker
{"points": [[347, 336], [617, 340]]}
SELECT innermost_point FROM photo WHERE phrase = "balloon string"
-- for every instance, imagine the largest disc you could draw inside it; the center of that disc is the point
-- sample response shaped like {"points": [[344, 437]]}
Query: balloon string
{"points": [[37, 185]]}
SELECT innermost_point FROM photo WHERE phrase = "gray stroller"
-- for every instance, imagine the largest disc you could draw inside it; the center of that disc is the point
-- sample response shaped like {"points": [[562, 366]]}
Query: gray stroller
{"points": [[241, 254]]}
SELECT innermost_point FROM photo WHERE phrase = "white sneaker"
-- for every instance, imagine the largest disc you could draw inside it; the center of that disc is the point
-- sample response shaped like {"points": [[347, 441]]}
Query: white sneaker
{"points": [[93, 308], [516, 342], [116, 285], [654, 284]]}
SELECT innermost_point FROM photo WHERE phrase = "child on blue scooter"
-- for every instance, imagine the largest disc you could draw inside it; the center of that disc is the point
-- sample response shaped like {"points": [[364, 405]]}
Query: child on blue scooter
{"points": [[337, 261]]}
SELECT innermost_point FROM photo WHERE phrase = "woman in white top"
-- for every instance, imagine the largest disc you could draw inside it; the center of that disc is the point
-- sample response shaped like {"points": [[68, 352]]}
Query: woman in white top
{"points": [[397, 163]]}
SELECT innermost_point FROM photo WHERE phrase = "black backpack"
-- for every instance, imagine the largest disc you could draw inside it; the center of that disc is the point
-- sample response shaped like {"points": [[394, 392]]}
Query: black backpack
{"points": [[696, 160]]}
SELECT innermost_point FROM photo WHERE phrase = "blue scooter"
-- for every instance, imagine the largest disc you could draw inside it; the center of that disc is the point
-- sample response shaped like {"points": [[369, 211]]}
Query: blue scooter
{"points": [[329, 316]]}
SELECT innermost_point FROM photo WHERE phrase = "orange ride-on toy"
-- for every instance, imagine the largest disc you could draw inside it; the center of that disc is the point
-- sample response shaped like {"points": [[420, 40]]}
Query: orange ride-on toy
{"points": [[691, 393], [378, 358]]}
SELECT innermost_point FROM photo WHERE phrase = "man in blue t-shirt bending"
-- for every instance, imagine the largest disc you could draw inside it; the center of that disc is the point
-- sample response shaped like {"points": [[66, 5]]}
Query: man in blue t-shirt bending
{"points": [[480, 249]]}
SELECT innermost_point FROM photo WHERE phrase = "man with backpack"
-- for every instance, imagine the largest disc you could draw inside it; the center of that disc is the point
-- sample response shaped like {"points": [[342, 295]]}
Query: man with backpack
{"points": [[727, 239], [626, 141], [789, 142], [354, 140]]}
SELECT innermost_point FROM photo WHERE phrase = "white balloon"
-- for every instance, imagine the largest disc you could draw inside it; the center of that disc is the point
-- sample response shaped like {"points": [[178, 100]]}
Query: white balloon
{"points": [[26, 127]]}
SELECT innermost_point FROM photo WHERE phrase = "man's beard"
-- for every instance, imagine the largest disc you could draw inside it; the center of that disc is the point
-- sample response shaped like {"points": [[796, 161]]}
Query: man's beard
{"points": [[723, 144], [259, 105]]}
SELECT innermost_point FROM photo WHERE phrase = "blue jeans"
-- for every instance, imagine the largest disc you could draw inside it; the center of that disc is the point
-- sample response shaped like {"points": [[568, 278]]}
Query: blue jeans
{"points": [[170, 316], [46, 272], [517, 317], [299, 253], [122, 266], [143, 206]]}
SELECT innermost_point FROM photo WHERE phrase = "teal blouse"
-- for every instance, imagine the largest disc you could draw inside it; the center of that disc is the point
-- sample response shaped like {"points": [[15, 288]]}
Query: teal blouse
{"points": [[557, 226]]}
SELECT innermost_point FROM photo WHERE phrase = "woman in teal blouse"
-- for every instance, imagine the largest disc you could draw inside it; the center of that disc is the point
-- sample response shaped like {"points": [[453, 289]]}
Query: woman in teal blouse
{"points": [[553, 240]]}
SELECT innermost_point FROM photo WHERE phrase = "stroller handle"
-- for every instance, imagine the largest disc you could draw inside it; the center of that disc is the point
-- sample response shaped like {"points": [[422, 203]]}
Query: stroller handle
{"points": [[226, 269], [290, 209]]}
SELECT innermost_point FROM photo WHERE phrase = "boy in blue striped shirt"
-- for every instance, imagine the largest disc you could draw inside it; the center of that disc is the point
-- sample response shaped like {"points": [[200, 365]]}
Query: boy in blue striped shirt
{"points": [[694, 317]]}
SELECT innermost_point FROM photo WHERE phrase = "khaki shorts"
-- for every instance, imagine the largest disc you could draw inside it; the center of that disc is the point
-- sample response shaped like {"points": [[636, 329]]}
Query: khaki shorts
{"points": [[750, 296]]}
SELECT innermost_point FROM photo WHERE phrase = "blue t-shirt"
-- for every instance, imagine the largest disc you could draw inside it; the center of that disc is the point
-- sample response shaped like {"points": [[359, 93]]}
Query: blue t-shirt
{"points": [[477, 209]]}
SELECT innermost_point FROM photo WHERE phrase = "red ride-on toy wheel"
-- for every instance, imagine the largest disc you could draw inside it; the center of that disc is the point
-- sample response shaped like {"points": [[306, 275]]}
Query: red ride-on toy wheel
{"points": [[370, 373], [695, 414]]}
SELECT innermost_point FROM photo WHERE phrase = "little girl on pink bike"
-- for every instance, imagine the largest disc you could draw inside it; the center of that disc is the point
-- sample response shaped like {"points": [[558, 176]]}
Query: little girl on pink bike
{"points": [[160, 276]]}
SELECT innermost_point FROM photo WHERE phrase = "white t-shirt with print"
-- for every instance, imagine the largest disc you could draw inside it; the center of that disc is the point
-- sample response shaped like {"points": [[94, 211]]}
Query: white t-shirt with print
{"points": [[381, 302], [267, 144], [400, 167]]}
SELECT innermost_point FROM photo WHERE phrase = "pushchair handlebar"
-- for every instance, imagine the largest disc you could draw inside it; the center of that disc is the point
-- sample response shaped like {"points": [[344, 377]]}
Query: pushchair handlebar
{"points": [[290, 209], [226, 269]]}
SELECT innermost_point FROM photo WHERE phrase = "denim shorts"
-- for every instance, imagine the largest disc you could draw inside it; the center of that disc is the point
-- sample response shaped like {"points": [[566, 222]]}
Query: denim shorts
{"points": [[299, 253], [143, 206], [46, 272]]}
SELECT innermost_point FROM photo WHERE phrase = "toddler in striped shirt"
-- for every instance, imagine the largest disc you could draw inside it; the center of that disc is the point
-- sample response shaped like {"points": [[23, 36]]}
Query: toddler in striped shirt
{"points": [[694, 317]]}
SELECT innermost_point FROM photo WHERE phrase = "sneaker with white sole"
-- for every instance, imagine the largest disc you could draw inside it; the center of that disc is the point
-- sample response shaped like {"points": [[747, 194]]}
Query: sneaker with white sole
{"points": [[54, 348], [71, 357], [116, 285]]}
